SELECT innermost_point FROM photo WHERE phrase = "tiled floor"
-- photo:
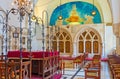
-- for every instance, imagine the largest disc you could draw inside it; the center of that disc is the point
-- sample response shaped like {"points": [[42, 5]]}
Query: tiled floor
{"points": [[69, 73]]}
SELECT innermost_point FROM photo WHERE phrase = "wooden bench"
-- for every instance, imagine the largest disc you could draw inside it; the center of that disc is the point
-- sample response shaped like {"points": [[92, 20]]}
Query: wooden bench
{"points": [[114, 64], [92, 73], [93, 68], [73, 62]]}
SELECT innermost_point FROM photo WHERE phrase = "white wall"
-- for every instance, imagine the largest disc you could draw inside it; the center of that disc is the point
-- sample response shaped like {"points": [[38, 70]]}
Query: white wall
{"points": [[115, 7], [37, 39], [110, 40]]}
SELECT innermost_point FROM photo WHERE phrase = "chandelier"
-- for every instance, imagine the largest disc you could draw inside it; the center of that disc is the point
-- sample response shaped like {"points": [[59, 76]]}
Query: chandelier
{"points": [[23, 5]]}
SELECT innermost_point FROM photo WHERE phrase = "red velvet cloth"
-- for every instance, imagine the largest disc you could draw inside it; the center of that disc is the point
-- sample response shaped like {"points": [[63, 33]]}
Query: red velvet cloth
{"points": [[17, 54], [35, 54]]}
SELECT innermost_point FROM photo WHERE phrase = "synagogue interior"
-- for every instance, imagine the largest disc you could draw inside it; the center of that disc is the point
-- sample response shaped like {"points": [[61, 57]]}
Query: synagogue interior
{"points": [[60, 39]]}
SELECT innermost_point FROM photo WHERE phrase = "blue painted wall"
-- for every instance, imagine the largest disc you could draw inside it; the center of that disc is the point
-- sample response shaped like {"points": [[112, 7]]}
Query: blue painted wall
{"points": [[83, 10]]}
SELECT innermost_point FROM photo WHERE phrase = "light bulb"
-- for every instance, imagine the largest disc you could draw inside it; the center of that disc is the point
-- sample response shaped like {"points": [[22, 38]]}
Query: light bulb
{"points": [[60, 17], [33, 18], [93, 12]]}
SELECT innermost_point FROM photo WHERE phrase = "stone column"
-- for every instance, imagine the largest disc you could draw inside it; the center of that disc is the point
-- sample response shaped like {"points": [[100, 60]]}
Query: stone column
{"points": [[118, 45], [75, 49], [116, 30]]}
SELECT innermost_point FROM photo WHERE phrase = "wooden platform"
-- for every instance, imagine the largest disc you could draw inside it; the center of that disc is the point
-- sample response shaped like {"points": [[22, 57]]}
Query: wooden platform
{"points": [[45, 64]]}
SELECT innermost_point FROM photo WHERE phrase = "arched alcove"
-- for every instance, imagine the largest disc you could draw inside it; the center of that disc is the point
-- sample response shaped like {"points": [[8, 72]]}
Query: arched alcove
{"points": [[88, 40], [62, 41]]}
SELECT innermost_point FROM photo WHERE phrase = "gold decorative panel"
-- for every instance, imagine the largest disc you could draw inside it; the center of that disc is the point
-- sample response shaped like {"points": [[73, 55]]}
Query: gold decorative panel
{"points": [[54, 45], [92, 33], [88, 46], [57, 34], [67, 46], [61, 37], [88, 37], [81, 47], [95, 37], [54, 38], [84, 33], [80, 38], [67, 38], [61, 46], [95, 46], [64, 34]]}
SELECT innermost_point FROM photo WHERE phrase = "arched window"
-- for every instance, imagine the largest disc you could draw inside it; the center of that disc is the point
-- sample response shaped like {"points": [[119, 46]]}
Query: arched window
{"points": [[62, 42], [88, 41]]}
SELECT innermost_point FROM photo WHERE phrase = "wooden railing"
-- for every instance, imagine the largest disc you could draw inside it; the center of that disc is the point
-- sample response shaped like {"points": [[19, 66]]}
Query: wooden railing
{"points": [[15, 69]]}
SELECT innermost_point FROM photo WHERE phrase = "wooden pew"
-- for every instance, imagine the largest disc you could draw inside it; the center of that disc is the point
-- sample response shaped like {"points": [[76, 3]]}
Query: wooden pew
{"points": [[93, 68], [73, 62], [114, 64]]}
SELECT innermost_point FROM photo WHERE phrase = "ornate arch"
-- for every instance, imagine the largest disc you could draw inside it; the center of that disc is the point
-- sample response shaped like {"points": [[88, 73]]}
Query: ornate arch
{"points": [[88, 40], [62, 41]]}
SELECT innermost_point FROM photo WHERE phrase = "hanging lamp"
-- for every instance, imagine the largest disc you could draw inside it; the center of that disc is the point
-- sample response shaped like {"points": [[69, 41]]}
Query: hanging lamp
{"points": [[60, 16], [93, 11]]}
